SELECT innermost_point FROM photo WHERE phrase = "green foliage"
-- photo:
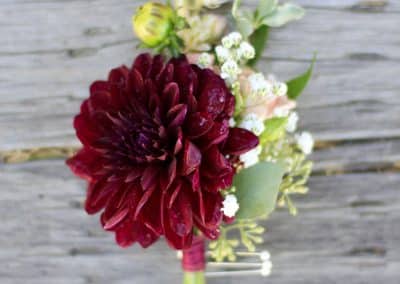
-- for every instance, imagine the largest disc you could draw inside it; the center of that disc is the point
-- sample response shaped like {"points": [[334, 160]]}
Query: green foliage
{"points": [[295, 180], [245, 233], [254, 25], [274, 129], [298, 84], [257, 188], [259, 40], [283, 14], [297, 170]]}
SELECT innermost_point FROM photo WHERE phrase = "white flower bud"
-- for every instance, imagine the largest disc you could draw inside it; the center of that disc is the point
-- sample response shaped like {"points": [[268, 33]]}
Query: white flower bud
{"points": [[230, 206], [253, 123], [258, 85], [246, 51], [205, 60], [251, 157], [305, 141], [291, 125], [266, 268], [212, 4], [223, 53], [232, 122], [280, 89], [230, 70], [231, 40]]}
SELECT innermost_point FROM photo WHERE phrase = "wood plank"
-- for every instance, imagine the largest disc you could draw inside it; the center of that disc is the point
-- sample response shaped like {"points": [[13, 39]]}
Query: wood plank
{"points": [[378, 6], [357, 156], [346, 233]]}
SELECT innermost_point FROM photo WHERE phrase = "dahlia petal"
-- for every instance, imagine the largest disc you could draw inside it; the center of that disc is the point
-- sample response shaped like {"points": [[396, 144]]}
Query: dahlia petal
{"points": [[229, 106], [151, 214], [173, 239], [98, 194], [100, 101], [176, 115], [211, 233], [194, 179], [143, 64], [176, 189], [137, 82], [169, 176], [212, 100], [240, 141], [166, 76], [126, 234], [85, 163], [146, 237], [198, 124], [157, 66], [116, 219], [218, 133], [99, 86], [215, 164], [213, 212], [83, 130], [191, 158], [143, 201], [170, 95], [178, 144], [134, 173], [119, 85], [180, 215], [149, 177]]}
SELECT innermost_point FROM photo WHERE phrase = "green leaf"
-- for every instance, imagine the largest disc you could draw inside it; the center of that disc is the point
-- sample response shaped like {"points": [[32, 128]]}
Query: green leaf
{"points": [[245, 26], [257, 189], [284, 14], [266, 7], [274, 129], [258, 39], [298, 84], [244, 22]]}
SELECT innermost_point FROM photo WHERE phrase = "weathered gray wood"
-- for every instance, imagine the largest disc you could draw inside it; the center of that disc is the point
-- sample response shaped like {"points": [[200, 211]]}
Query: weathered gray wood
{"points": [[51, 56], [356, 156], [347, 233]]}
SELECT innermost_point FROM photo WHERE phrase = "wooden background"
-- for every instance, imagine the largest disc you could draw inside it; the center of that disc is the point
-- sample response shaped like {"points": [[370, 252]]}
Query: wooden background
{"points": [[348, 230]]}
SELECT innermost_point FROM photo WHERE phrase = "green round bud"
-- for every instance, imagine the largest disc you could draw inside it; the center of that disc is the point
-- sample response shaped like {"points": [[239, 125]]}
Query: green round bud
{"points": [[153, 23]]}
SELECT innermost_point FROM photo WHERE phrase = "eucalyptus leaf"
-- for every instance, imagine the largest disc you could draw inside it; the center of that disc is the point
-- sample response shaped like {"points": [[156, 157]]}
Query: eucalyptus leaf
{"points": [[298, 84], [284, 14], [257, 189], [274, 129], [244, 21], [258, 39], [245, 26], [266, 7]]}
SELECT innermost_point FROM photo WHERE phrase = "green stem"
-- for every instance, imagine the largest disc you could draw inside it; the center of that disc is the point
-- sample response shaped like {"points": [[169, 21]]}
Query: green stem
{"points": [[194, 277]]}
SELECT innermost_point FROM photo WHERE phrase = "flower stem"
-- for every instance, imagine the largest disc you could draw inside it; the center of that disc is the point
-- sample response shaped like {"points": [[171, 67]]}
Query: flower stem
{"points": [[194, 277]]}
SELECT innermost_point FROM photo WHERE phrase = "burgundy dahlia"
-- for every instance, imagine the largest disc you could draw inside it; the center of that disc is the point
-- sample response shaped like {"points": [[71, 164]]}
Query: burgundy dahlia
{"points": [[157, 150]]}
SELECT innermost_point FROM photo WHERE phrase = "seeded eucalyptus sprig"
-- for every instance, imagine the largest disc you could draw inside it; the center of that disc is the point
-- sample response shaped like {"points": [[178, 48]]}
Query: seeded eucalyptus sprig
{"points": [[156, 25]]}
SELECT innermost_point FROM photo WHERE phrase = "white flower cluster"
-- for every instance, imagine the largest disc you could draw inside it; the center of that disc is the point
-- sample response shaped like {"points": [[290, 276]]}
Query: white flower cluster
{"points": [[251, 157], [253, 123], [230, 206], [231, 54], [205, 60], [305, 141]]}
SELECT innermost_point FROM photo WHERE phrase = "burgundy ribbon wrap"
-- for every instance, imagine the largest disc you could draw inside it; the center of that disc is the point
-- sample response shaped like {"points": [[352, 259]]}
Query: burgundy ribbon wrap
{"points": [[194, 257]]}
